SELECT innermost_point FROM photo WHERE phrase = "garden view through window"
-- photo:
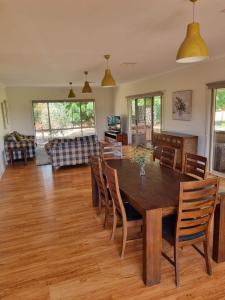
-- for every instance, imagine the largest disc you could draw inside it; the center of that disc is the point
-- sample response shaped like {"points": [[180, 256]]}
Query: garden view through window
{"points": [[55, 119]]}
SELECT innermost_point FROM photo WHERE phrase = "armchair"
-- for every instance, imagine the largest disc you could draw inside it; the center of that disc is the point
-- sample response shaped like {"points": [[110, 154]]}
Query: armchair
{"points": [[15, 145]]}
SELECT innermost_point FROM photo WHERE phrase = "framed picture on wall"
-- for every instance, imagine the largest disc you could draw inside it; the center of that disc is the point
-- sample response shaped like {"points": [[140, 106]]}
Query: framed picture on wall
{"points": [[4, 111], [182, 105]]}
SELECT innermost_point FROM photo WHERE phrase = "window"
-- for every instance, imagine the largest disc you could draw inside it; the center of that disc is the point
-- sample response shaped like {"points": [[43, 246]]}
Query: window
{"points": [[217, 136], [63, 118]]}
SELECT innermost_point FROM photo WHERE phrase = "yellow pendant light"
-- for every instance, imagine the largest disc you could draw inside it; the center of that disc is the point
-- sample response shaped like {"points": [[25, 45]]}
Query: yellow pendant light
{"points": [[71, 92], [193, 49], [108, 80], [86, 88]]}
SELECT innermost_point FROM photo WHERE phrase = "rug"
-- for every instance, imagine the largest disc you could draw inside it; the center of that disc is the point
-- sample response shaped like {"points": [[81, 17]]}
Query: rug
{"points": [[42, 157]]}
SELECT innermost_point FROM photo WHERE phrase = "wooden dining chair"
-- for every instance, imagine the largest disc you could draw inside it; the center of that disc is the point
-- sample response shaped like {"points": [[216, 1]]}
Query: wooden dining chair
{"points": [[168, 157], [195, 166], [123, 210], [197, 201], [104, 200], [111, 150]]}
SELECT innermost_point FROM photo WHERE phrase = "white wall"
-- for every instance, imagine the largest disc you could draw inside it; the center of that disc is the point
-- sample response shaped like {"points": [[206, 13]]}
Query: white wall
{"points": [[193, 77], [2, 131], [20, 103]]}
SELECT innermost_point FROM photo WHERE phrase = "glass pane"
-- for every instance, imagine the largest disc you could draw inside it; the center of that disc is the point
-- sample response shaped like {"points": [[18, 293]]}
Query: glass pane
{"points": [[219, 132], [73, 114], [148, 118], [40, 111], [157, 113], [64, 115], [141, 110], [87, 114], [42, 137], [220, 110], [66, 133]]}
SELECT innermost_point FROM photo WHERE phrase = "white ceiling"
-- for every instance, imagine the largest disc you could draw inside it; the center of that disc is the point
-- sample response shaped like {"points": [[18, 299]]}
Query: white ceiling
{"points": [[51, 42]]}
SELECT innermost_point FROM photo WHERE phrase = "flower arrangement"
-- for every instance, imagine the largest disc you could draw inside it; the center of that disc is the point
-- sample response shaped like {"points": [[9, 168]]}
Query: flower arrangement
{"points": [[141, 156]]}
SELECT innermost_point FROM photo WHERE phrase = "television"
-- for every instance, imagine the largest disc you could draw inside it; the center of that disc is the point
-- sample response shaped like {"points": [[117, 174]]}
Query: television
{"points": [[114, 123]]}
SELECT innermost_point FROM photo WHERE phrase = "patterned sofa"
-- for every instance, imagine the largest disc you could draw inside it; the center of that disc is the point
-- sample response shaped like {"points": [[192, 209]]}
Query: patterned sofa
{"points": [[14, 141], [67, 152]]}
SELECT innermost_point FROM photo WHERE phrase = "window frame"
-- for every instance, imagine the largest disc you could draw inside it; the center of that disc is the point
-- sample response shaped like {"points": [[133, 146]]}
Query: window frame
{"points": [[151, 96], [50, 129]]}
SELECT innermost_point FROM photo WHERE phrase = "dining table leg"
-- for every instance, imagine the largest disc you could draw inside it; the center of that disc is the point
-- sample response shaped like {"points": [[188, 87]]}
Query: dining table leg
{"points": [[152, 246], [219, 231]]}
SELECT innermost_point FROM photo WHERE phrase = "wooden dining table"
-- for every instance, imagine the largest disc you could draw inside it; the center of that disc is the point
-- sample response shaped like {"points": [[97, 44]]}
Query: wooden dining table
{"points": [[156, 195]]}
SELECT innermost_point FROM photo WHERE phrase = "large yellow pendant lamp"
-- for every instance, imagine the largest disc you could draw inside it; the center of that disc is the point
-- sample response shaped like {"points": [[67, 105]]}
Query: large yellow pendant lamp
{"points": [[108, 80], [71, 92], [86, 88], [193, 49]]}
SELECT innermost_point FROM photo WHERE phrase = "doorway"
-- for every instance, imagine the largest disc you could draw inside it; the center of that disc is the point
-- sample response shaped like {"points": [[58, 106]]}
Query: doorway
{"points": [[217, 155], [145, 117]]}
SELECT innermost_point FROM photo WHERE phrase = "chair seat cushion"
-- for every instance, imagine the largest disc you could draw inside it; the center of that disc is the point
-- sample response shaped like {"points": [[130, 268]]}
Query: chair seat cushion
{"points": [[131, 212]]}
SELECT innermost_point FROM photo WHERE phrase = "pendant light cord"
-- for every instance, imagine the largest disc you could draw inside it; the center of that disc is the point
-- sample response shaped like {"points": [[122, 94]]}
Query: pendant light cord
{"points": [[193, 12]]}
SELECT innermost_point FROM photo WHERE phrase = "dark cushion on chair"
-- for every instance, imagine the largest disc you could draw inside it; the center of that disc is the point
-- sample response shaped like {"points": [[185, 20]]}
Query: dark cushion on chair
{"points": [[191, 236], [169, 231], [131, 213]]}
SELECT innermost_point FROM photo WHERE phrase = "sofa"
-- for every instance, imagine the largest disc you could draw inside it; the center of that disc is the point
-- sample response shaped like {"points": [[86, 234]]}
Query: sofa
{"points": [[14, 141], [68, 152]]}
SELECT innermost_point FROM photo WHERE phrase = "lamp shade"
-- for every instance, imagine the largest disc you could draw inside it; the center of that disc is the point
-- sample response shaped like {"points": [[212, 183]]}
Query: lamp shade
{"points": [[108, 80], [86, 88], [193, 49], [71, 92]]}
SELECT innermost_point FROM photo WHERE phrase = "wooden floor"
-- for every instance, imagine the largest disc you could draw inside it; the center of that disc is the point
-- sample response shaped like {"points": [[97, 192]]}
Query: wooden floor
{"points": [[52, 246]]}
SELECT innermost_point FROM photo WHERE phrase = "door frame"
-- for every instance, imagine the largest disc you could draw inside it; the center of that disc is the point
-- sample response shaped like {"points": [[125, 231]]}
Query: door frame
{"points": [[212, 133], [144, 96]]}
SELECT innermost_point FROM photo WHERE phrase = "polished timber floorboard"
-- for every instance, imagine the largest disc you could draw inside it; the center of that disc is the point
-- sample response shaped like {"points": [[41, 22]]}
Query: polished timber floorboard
{"points": [[53, 246]]}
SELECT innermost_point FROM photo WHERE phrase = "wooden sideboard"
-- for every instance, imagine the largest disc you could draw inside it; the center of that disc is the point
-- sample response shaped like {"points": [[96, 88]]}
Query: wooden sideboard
{"points": [[182, 142]]}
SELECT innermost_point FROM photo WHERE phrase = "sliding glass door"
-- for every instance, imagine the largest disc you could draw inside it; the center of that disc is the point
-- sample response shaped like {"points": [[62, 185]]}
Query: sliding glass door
{"points": [[63, 119], [144, 118], [218, 132]]}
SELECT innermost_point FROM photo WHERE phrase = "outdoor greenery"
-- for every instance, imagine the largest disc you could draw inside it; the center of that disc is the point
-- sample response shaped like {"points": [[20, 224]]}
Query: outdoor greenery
{"points": [[144, 110], [220, 100], [62, 118]]}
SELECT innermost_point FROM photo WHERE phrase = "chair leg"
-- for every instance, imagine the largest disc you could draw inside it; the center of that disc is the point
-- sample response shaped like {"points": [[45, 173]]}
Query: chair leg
{"points": [[114, 225], [106, 216], [124, 239], [207, 257], [177, 275], [99, 205]]}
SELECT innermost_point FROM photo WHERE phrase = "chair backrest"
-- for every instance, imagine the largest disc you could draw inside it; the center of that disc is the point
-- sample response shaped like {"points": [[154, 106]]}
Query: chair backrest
{"points": [[113, 185], [98, 174], [195, 165], [168, 157], [197, 201], [111, 150]]}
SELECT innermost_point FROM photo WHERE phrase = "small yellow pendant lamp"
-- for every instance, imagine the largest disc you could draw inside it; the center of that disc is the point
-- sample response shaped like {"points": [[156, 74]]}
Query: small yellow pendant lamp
{"points": [[108, 80], [86, 87], [193, 49], [71, 92]]}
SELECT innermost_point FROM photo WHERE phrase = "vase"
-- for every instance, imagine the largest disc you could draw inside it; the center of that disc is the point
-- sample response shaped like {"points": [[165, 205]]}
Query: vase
{"points": [[142, 170]]}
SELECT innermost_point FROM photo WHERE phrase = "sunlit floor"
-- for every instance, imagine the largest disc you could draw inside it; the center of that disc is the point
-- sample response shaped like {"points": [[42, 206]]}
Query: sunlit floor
{"points": [[53, 246]]}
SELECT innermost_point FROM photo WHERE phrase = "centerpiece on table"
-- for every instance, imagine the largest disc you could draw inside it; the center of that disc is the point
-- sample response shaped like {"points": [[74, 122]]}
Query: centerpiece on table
{"points": [[141, 156]]}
